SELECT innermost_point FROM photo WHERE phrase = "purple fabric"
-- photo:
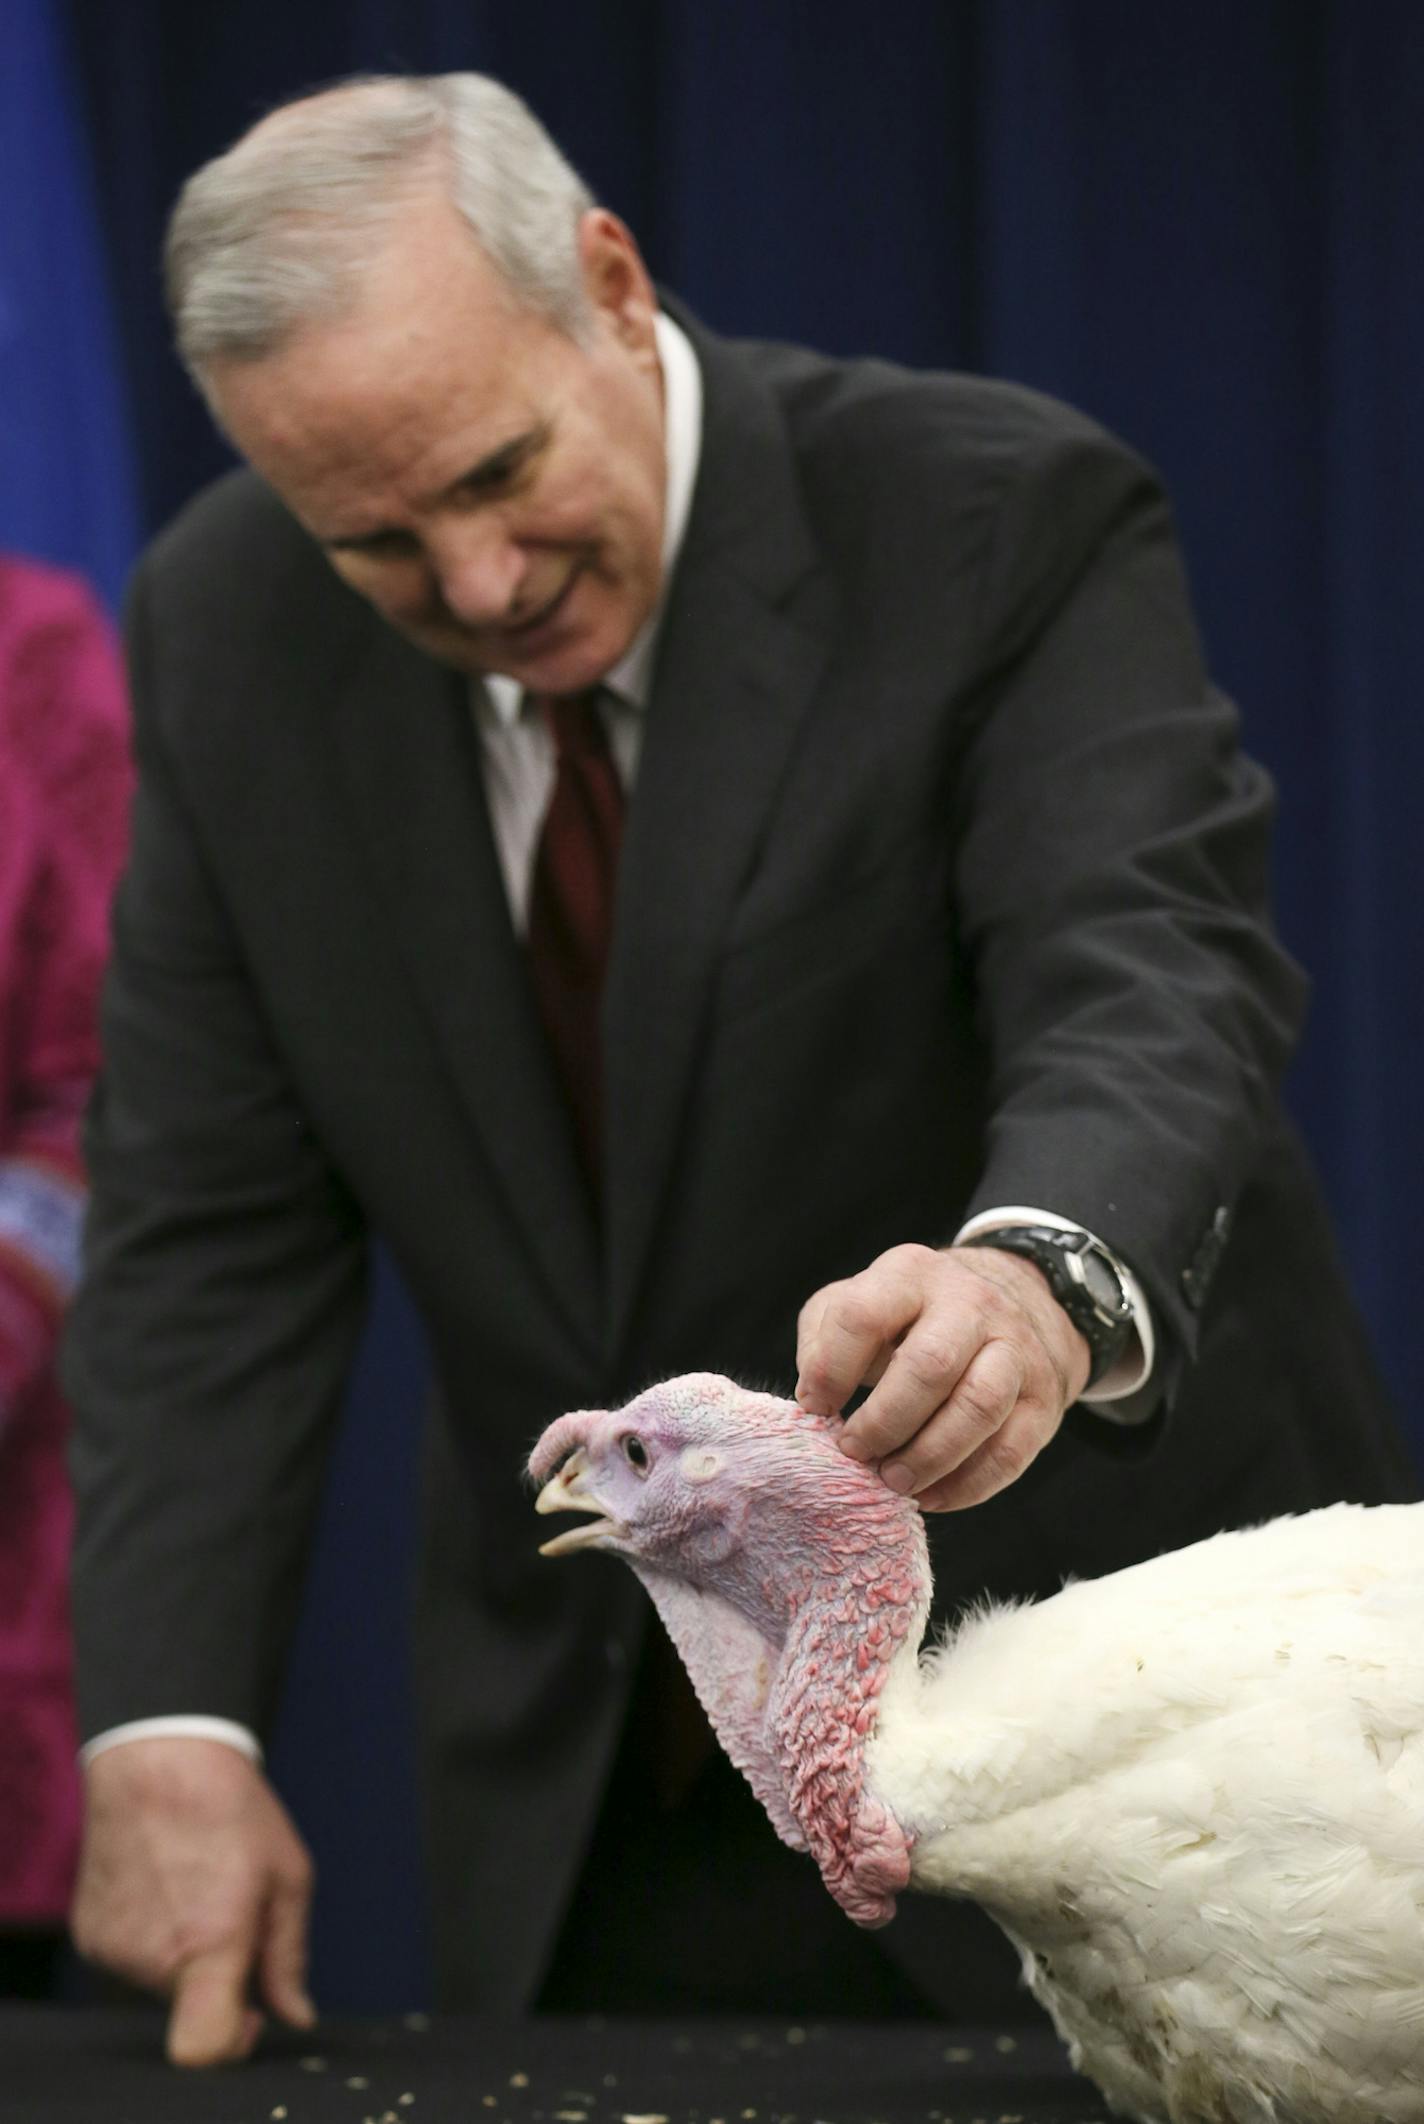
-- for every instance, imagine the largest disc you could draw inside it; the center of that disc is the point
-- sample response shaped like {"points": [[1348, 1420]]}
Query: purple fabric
{"points": [[64, 790]]}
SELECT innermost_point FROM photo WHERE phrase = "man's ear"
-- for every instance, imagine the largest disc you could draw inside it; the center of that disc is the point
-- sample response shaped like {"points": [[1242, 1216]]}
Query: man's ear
{"points": [[616, 281]]}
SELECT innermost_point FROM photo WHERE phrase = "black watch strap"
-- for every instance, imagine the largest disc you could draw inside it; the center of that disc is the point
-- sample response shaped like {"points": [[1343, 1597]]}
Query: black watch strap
{"points": [[1087, 1279]]}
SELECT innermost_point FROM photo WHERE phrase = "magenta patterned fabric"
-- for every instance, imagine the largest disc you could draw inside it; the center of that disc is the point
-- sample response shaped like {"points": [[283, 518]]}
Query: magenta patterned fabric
{"points": [[64, 793]]}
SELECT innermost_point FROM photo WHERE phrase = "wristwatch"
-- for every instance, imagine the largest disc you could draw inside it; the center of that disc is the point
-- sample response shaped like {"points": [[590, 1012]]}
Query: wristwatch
{"points": [[1089, 1282]]}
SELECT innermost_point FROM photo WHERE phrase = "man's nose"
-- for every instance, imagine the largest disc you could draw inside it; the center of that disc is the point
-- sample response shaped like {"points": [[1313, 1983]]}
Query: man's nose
{"points": [[479, 570]]}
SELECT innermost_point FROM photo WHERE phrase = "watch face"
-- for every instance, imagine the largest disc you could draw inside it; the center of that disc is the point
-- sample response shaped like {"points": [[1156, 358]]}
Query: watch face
{"points": [[1103, 1285]]}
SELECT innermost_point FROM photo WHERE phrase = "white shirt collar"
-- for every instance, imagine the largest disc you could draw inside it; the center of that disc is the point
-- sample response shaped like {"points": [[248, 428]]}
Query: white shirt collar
{"points": [[682, 431]]}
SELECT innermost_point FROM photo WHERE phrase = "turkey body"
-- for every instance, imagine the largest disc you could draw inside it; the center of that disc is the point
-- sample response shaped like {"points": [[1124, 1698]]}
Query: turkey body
{"points": [[1193, 1796], [1192, 1793]]}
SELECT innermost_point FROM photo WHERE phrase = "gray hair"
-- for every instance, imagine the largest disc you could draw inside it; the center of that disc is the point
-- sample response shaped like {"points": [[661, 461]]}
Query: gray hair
{"points": [[273, 234]]}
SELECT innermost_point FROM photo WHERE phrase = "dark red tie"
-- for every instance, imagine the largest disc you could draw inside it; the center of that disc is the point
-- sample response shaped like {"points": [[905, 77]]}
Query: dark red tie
{"points": [[571, 906], [570, 929]]}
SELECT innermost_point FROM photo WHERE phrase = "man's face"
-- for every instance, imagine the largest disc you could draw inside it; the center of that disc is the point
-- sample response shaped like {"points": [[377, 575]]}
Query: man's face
{"points": [[494, 488]]}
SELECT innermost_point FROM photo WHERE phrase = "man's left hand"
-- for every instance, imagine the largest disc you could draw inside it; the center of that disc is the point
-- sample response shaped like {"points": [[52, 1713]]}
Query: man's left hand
{"points": [[971, 1362]]}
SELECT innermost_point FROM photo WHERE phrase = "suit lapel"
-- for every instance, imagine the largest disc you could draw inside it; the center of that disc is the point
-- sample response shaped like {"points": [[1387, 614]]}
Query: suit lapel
{"points": [[410, 765], [744, 640]]}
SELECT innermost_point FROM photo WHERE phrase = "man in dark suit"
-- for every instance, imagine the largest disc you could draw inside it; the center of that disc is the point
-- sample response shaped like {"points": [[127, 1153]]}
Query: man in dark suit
{"points": [[938, 1040]]}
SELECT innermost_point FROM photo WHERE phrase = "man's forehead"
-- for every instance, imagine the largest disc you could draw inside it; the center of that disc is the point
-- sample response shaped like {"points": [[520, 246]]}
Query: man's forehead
{"points": [[393, 386]]}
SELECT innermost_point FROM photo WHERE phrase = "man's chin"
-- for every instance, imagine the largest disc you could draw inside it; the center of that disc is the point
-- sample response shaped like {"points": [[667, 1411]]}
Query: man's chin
{"points": [[566, 665], [572, 667], [449, 646]]}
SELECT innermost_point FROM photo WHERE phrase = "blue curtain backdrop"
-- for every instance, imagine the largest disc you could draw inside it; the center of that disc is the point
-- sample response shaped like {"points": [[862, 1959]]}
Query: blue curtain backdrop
{"points": [[67, 490], [1204, 223]]}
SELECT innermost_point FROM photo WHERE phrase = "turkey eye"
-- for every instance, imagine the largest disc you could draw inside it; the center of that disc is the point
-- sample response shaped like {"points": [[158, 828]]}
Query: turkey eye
{"points": [[635, 1452]]}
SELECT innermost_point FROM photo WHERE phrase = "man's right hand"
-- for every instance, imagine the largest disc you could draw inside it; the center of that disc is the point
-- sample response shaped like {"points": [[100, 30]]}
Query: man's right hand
{"points": [[194, 1883]]}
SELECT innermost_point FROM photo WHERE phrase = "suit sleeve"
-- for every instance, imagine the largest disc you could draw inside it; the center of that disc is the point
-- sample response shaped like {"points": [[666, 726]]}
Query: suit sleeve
{"points": [[1113, 887], [222, 1293]]}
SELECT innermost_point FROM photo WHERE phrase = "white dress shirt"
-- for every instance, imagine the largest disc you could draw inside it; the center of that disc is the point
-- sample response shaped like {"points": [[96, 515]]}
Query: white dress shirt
{"points": [[518, 760]]}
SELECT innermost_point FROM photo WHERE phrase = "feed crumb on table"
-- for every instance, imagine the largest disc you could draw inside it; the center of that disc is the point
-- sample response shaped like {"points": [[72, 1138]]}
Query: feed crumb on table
{"points": [[358, 2080], [519, 2079], [959, 2054], [312, 2064], [1004, 2044]]}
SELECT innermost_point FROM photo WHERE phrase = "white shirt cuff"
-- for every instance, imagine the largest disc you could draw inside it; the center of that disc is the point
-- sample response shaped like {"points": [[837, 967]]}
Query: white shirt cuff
{"points": [[181, 1726], [1134, 1368]]}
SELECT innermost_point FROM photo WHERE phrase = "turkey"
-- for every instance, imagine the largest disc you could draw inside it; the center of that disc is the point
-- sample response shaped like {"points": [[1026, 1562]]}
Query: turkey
{"points": [[1191, 1793]]}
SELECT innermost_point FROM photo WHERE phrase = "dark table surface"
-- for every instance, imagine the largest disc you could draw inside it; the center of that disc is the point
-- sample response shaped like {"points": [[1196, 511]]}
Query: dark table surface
{"points": [[68, 2065]]}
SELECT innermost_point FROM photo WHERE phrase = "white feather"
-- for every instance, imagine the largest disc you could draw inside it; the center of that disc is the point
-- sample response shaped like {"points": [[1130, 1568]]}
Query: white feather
{"points": [[1193, 1794]]}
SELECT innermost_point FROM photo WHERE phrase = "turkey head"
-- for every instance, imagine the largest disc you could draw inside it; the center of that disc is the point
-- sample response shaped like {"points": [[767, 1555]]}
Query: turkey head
{"points": [[791, 1581]]}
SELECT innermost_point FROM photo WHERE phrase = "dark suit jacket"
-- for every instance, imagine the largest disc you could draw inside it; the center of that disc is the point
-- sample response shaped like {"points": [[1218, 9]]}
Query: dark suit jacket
{"points": [[944, 885]]}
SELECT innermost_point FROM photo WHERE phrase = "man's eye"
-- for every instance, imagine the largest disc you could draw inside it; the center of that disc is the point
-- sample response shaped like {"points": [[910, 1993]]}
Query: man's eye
{"points": [[635, 1452], [489, 479]]}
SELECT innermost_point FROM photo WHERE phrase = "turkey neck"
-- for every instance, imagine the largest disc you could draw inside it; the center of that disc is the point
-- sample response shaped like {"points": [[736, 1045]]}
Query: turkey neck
{"points": [[793, 1648]]}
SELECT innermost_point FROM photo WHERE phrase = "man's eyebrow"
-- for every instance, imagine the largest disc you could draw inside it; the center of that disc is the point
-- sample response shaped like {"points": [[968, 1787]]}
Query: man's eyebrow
{"points": [[487, 472]]}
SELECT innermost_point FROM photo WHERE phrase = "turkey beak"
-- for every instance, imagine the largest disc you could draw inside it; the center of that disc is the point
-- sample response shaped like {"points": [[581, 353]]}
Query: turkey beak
{"points": [[565, 1492]]}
